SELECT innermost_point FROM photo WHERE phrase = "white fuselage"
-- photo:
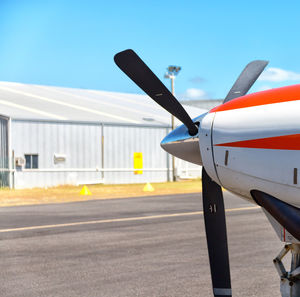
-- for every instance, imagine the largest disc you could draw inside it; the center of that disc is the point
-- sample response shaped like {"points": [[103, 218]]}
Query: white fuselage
{"points": [[246, 168], [249, 143]]}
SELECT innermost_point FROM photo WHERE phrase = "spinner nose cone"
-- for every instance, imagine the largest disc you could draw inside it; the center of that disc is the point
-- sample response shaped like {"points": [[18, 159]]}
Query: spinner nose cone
{"points": [[182, 145]]}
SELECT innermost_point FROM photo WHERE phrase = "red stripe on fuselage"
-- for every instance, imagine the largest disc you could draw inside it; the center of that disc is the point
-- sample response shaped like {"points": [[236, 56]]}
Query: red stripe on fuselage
{"points": [[285, 142], [279, 95]]}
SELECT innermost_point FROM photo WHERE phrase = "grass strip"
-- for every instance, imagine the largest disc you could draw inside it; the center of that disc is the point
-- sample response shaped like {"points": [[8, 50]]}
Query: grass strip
{"points": [[62, 194]]}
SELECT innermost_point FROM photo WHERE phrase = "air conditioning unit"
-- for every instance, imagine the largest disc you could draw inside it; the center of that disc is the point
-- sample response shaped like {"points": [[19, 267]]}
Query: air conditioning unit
{"points": [[59, 158], [20, 161]]}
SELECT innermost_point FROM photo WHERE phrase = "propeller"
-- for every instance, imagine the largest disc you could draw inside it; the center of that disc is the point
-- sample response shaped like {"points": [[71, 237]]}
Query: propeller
{"points": [[216, 235], [213, 203], [133, 66], [246, 79]]}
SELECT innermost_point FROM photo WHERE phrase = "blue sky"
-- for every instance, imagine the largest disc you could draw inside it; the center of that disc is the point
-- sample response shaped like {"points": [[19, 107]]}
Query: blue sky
{"points": [[72, 43]]}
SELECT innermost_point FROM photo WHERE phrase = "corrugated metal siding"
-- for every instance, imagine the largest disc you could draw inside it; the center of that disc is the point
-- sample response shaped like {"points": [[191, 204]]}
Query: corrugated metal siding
{"points": [[4, 174], [80, 143], [119, 145]]}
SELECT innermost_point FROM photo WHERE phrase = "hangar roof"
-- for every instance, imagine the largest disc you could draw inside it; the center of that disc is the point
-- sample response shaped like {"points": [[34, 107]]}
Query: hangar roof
{"points": [[36, 102]]}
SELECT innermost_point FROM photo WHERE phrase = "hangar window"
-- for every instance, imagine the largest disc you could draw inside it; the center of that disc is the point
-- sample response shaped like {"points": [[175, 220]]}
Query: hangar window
{"points": [[31, 161]]}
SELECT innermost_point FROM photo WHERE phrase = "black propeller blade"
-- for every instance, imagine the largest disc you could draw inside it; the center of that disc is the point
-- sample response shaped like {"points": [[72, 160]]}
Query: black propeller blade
{"points": [[246, 79], [132, 65], [216, 235]]}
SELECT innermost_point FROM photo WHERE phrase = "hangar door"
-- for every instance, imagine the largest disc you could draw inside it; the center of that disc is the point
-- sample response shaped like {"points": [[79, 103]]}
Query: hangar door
{"points": [[4, 169]]}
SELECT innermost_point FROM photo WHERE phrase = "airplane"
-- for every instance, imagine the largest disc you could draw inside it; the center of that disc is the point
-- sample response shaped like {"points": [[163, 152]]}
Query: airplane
{"points": [[248, 145]]}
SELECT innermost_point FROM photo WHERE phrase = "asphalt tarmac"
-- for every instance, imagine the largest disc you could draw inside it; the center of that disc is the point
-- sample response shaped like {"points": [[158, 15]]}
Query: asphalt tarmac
{"points": [[150, 247]]}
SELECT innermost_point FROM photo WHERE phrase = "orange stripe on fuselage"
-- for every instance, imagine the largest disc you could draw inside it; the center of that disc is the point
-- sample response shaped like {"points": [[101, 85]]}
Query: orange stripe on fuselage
{"points": [[284, 94], [285, 142]]}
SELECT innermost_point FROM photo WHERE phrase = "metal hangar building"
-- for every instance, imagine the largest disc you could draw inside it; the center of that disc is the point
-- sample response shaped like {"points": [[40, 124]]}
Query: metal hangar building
{"points": [[53, 136]]}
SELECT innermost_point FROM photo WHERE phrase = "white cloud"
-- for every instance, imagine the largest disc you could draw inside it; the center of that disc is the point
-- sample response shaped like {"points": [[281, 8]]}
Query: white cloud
{"points": [[194, 94], [278, 75], [264, 88]]}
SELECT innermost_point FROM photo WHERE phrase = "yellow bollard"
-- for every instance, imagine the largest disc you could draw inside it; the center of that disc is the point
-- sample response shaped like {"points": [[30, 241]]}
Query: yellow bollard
{"points": [[148, 188], [85, 191]]}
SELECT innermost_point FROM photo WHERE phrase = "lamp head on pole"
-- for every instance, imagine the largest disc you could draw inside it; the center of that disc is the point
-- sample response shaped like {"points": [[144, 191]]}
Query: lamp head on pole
{"points": [[172, 71]]}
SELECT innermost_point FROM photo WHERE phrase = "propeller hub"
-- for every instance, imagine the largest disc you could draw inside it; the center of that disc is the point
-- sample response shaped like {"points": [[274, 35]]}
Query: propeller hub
{"points": [[181, 144]]}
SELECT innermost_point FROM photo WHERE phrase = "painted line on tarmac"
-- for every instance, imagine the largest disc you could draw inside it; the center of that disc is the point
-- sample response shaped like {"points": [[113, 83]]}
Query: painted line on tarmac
{"points": [[119, 220]]}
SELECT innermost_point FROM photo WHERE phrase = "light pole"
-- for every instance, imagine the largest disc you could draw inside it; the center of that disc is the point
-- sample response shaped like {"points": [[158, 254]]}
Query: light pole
{"points": [[172, 72]]}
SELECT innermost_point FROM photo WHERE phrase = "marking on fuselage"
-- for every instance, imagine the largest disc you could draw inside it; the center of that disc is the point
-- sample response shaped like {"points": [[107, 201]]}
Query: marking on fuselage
{"points": [[279, 95], [283, 142], [295, 176], [226, 158], [119, 220]]}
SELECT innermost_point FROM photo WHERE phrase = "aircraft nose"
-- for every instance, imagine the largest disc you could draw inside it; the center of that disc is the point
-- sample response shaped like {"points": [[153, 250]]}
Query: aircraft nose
{"points": [[182, 145]]}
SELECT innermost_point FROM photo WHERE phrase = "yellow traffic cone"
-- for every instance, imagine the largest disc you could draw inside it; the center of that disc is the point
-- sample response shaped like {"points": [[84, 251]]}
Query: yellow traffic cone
{"points": [[148, 188], [85, 191]]}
